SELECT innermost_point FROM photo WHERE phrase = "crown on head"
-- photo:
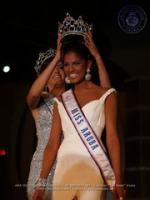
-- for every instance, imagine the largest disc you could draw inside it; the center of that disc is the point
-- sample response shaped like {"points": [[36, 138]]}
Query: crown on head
{"points": [[70, 26], [42, 57]]}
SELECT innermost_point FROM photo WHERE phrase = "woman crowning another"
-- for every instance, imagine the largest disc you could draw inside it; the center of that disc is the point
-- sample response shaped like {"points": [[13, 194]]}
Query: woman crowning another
{"points": [[40, 99], [49, 83], [81, 113]]}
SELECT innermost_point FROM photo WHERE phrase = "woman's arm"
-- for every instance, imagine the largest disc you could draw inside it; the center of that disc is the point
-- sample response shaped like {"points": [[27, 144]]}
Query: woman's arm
{"points": [[50, 150], [103, 74], [112, 141], [39, 84], [52, 145]]}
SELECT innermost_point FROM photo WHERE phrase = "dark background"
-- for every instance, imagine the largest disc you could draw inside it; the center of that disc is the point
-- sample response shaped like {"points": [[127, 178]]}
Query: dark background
{"points": [[27, 28]]}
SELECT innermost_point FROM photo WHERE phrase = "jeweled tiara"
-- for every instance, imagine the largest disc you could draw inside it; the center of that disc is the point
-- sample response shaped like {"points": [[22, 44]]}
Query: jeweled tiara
{"points": [[42, 57], [70, 26]]}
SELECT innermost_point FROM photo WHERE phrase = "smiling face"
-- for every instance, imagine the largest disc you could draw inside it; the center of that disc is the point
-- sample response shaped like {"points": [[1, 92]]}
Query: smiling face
{"points": [[75, 67], [76, 60], [57, 78]]}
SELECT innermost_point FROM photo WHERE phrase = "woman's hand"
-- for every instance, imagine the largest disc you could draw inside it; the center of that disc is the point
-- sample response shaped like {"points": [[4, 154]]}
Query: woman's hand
{"points": [[59, 44], [38, 194], [90, 44], [119, 192]]}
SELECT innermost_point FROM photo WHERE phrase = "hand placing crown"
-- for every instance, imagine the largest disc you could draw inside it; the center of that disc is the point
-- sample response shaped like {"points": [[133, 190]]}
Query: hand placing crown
{"points": [[43, 57], [70, 26]]}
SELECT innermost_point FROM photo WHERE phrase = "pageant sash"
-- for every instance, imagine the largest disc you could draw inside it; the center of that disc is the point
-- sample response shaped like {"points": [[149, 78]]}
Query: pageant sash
{"points": [[49, 104], [89, 138]]}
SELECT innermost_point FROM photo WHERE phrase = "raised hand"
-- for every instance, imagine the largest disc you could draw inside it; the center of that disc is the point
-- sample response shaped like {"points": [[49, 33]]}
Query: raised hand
{"points": [[59, 44], [90, 44]]}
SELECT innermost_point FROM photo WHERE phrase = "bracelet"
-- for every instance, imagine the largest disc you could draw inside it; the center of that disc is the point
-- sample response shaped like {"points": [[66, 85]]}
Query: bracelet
{"points": [[40, 184]]}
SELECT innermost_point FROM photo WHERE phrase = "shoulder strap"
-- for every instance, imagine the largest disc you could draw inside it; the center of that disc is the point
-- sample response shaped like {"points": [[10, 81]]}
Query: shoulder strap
{"points": [[107, 93], [49, 106]]}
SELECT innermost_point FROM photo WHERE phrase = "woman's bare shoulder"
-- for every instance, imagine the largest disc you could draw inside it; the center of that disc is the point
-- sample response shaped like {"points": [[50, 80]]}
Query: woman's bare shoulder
{"points": [[100, 90]]}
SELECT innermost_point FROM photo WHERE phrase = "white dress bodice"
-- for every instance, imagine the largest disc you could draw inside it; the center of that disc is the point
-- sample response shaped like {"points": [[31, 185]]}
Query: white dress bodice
{"points": [[95, 114]]}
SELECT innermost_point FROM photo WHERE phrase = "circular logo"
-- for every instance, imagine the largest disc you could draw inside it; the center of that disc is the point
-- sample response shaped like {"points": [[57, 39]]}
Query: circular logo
{"points": [[132, 19]]}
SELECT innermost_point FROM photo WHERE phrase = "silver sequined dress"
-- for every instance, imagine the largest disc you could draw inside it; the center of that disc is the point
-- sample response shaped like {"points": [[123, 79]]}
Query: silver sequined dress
{"points": [[43, 126]]}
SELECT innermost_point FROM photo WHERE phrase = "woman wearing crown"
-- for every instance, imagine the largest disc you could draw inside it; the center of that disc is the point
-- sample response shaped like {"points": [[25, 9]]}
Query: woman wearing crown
{"points": [[50, 75], [83, 168], [40, 99]]}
